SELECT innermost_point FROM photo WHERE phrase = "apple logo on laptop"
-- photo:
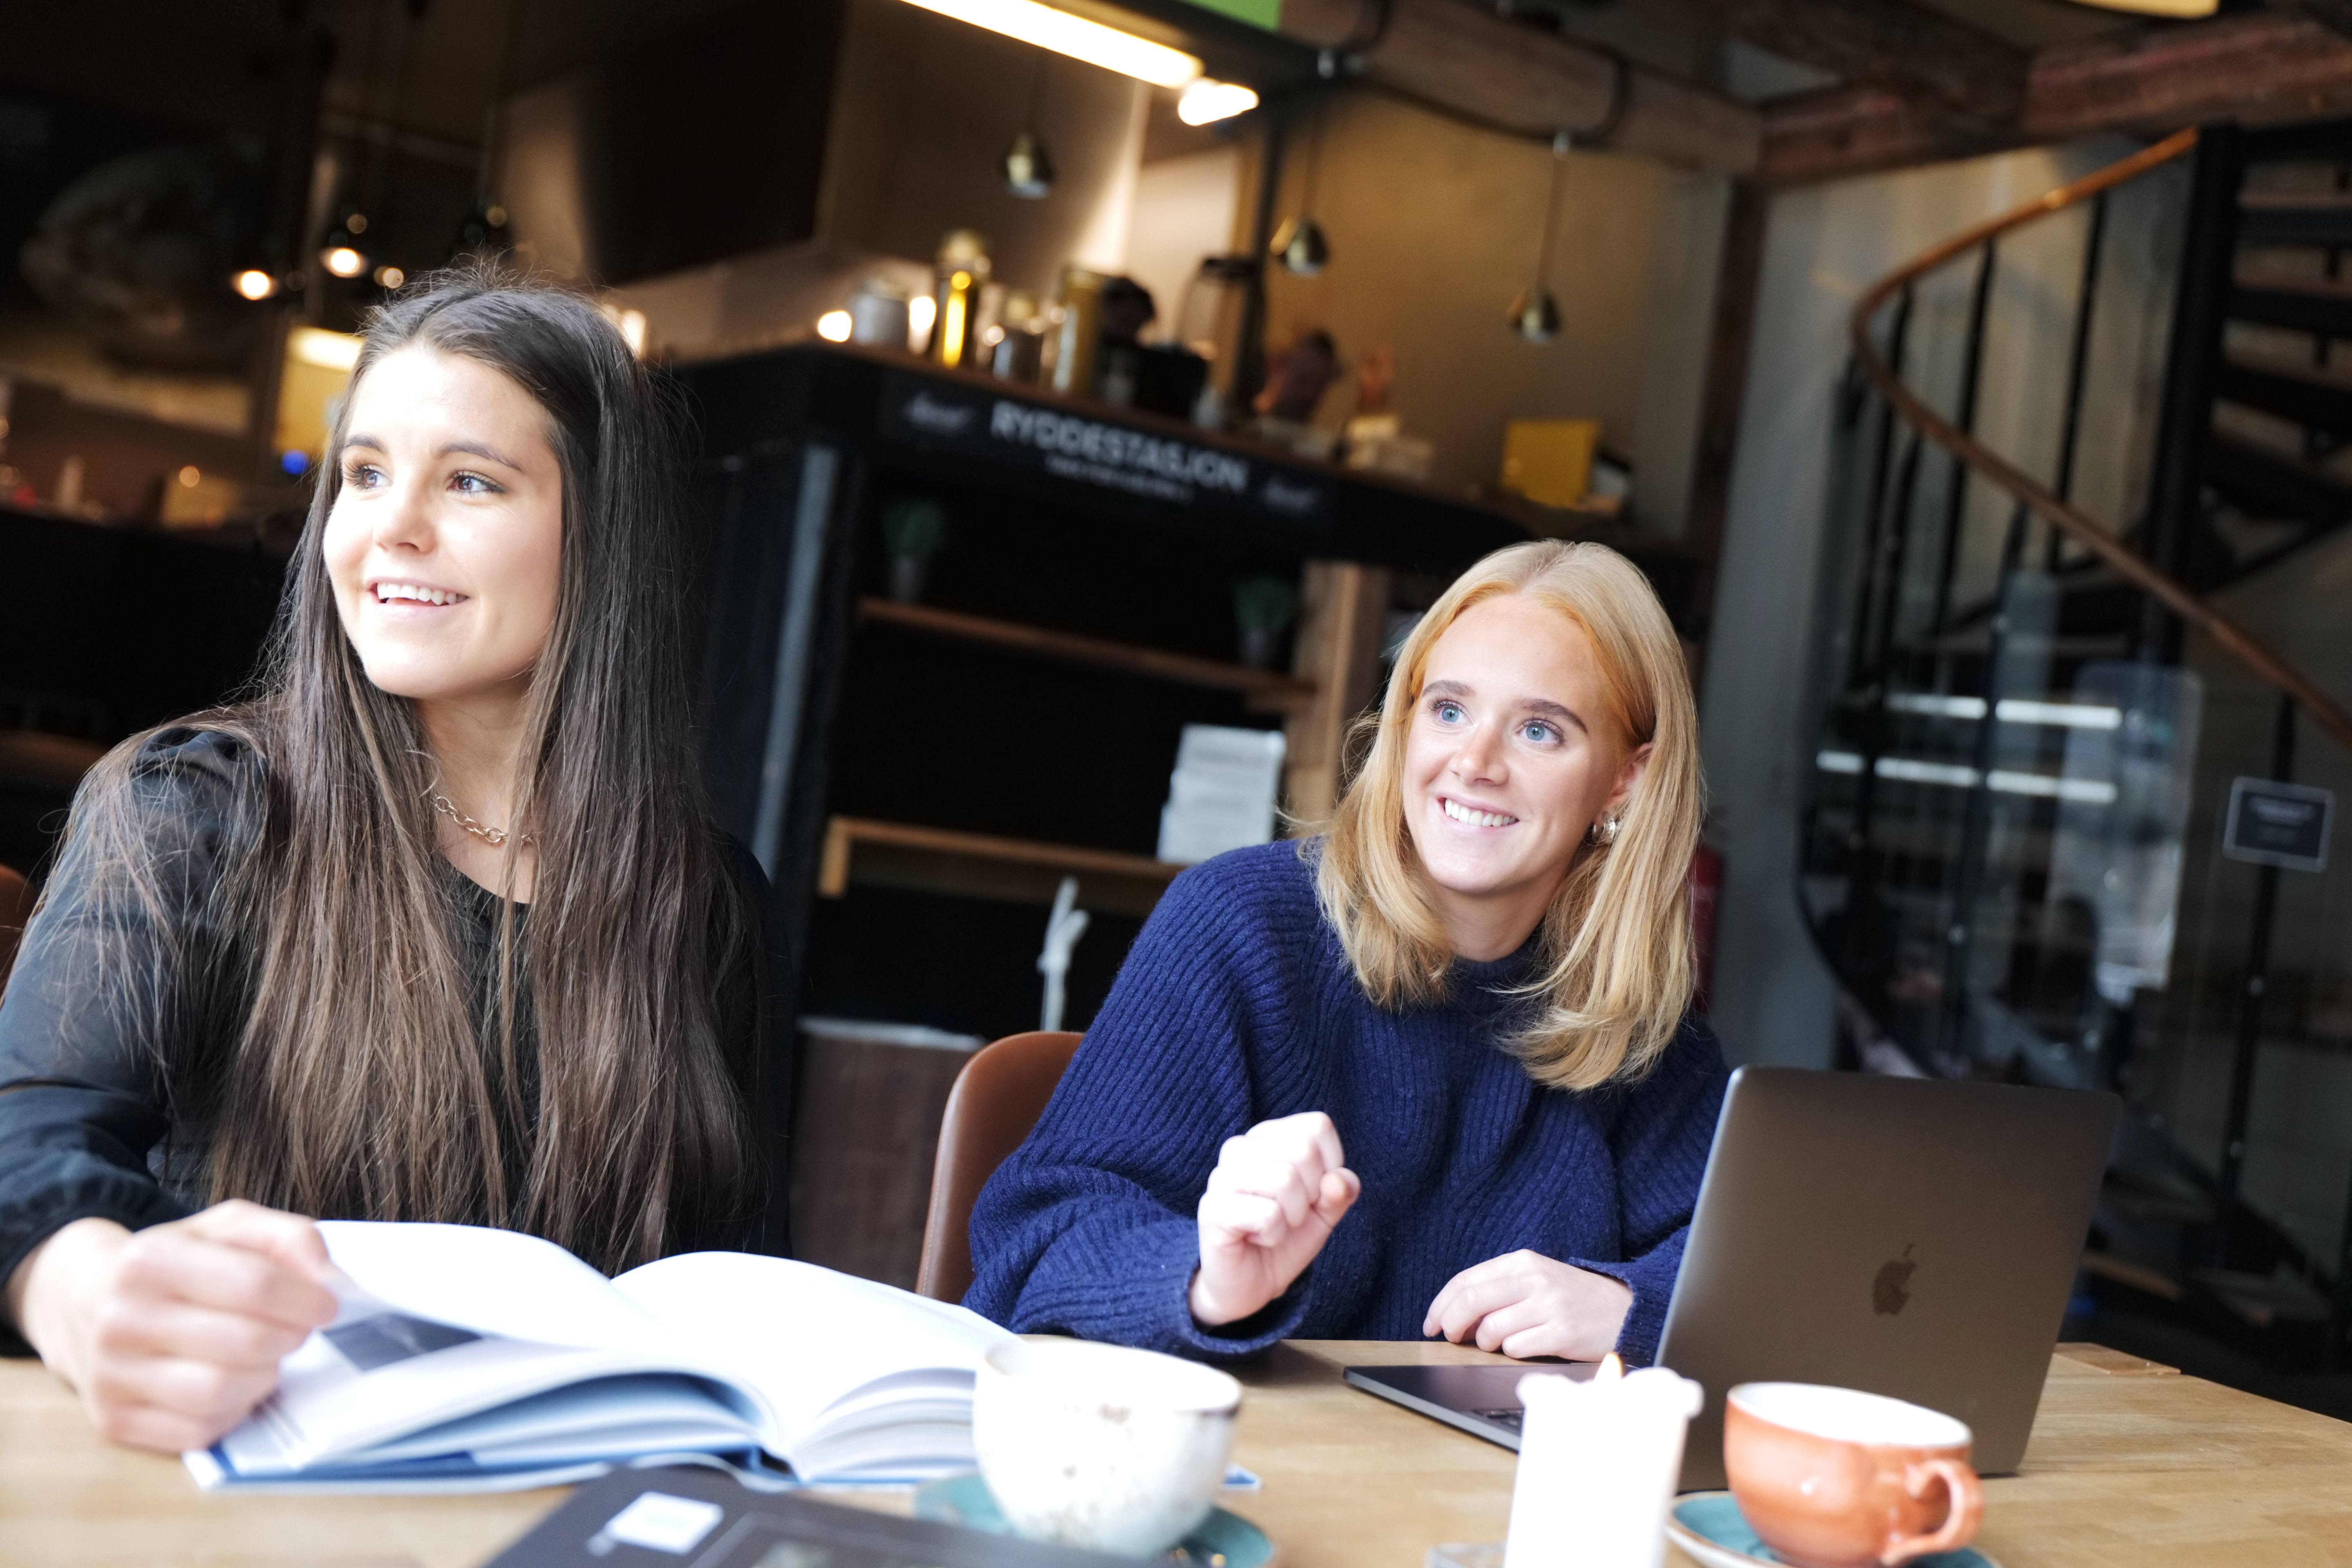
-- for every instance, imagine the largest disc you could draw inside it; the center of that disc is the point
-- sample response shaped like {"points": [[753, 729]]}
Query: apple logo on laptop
{"points": [[1891, 1291]]}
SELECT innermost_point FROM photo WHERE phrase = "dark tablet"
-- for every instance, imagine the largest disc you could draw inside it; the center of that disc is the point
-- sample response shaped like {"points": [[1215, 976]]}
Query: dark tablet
{"points": [[684, 1518]]}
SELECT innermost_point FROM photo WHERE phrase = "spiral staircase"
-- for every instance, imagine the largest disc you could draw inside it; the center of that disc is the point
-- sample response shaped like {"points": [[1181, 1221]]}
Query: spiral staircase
{"points": [[2012, 854]]}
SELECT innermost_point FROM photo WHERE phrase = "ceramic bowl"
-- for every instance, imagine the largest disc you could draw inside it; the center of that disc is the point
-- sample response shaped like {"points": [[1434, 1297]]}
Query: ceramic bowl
{"points": [[1102, 1447]]}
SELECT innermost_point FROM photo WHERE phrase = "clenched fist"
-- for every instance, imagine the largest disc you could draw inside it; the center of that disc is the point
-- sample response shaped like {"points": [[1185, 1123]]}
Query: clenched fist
{"points": [[173, 1335], [1272, 1202]]}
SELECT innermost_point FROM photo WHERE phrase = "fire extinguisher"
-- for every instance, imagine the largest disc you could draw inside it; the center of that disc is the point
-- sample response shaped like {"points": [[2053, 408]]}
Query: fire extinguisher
{"points": [[1705, 897]]}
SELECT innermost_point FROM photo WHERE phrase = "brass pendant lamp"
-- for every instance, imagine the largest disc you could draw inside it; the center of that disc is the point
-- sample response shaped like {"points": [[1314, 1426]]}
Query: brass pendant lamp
{"points": [[1027, 167], [1300, 244], [1535, 314]]}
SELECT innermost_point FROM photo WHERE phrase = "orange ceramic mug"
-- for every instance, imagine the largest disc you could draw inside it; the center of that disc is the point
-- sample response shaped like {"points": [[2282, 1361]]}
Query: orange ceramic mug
{"points": [[1834, 1478]]}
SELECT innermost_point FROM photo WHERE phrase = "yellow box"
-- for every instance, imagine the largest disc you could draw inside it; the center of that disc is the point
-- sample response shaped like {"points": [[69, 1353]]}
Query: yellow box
{"points": [[318, 370], [1550, 461]]}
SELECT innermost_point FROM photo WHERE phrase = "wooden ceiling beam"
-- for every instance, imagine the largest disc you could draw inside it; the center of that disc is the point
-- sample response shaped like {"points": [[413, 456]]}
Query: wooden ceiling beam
{"points": [[1469, 61], [1944, 68], [2334, 15], [2260, 66]]}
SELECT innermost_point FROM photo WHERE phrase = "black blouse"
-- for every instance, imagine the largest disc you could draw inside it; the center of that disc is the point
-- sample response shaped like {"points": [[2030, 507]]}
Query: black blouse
{"points": [[100, 1117]]}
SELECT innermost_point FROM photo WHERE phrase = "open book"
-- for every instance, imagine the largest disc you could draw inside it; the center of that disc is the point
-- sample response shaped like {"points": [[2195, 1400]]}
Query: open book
{"points": [[467, 1359]]}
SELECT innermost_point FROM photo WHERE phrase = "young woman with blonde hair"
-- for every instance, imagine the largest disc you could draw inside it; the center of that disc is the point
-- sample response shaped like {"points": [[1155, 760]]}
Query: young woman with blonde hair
{"points": [[1478, 977]]}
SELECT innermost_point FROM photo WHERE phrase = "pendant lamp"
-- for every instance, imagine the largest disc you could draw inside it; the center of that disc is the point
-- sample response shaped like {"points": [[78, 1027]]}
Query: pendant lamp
{"points": [[1027, 167], [341, 252], [1535, 314], [484, 231], [1300, 244]]}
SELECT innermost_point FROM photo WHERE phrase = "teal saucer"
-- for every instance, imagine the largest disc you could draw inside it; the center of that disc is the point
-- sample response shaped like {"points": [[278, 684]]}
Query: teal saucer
{"points": [[1709, 1527], [1221, 1541]]}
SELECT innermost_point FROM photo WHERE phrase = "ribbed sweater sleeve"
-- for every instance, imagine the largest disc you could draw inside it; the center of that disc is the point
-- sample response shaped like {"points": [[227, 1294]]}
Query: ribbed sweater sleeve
{"points": [[83, 1064], [1090, 1227], [1237, 1005]]}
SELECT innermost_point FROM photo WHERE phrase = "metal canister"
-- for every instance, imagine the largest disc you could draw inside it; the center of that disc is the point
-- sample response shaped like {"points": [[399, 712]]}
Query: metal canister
{"points": [[1020, 351], [877, 314]]}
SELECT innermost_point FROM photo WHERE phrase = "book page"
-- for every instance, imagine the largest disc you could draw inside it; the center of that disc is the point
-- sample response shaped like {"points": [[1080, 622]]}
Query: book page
{"points": [[496, 1283], [350, 1386], [612, 1418], [440, 1322], [810, 1341]]}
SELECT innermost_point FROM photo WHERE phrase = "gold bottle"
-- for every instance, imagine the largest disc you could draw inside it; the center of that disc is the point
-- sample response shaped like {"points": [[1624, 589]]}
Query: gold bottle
{"points": [[1081, 331], [961, 269]]}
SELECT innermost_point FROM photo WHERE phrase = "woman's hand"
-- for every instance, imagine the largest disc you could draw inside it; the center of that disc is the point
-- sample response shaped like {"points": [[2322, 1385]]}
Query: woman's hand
{"points": [[173, 1334], [1525, 1304], [1271, 1201]]}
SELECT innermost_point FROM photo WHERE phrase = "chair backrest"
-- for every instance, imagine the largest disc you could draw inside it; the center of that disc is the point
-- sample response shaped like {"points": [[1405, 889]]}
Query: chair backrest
{"points": [[996, 1099], [16, 909]]}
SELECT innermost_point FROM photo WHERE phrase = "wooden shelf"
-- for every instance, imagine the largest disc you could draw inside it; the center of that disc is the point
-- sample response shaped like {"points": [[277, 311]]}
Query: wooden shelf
{"points": [[1261, 691], [978, 865]]}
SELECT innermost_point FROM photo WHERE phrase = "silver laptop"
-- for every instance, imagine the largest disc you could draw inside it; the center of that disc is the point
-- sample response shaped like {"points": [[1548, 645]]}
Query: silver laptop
{"points": [[1910, 1237]]}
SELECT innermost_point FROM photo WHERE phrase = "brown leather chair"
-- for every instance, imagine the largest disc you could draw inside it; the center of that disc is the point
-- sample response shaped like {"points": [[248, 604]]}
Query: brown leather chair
{"points": [[996, 1099], [16, 909]]}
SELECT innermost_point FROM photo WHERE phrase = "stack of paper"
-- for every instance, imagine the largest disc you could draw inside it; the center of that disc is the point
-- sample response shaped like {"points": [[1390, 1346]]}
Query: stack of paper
{"points": [[1223, 793]]}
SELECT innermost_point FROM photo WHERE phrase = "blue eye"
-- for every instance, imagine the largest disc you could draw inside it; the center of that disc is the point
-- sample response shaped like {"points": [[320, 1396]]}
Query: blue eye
{"points": [[360, 475], [1447, 712], [1541, 733]]}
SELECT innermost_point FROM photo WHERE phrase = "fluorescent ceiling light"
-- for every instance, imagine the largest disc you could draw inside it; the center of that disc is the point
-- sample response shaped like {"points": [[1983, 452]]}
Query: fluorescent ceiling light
{"points": [[2178, 9], [2066, 715], [328, 351], [1951, 775], [1075, 37], [2012, 710], [1205, 100]]}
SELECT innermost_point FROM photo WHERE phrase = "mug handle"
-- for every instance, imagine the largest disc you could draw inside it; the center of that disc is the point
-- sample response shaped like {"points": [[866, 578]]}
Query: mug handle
{"points": [[1959, 1526]]}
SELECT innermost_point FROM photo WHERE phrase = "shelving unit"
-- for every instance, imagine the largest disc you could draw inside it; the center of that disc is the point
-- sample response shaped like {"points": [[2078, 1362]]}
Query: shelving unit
{"points": [[918, 779], [1261, 691], [982, 865]]}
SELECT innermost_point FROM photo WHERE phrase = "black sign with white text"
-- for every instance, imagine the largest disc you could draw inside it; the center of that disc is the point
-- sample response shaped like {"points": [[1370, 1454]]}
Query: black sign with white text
{"points": [[2273, 824], [1008, 432]]}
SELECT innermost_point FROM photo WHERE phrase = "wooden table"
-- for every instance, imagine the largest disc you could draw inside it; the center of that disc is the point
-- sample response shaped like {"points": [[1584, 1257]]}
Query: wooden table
{"points": [[2131, 1467]]}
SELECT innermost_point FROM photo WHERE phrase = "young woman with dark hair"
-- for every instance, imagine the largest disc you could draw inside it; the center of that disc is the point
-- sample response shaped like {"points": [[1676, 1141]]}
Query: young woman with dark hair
{"points": [[436, 926]]}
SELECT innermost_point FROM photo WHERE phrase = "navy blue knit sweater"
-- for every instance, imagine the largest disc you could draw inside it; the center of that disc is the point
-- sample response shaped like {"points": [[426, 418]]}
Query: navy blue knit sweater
{"points": [[1236, 1005]]}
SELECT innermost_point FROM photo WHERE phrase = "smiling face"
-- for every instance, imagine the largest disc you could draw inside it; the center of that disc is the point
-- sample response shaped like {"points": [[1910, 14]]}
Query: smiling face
{"points": [[445, 544], [1511, 757]]}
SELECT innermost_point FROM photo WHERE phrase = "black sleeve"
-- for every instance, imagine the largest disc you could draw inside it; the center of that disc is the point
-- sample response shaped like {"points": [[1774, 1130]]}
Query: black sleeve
{"points": [[761, 1050], [86, 1041]]}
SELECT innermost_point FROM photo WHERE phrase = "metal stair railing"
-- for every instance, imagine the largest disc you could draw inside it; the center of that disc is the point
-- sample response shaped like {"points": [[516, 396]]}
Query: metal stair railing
{"points": [[2075, 524], [1930, 722]]}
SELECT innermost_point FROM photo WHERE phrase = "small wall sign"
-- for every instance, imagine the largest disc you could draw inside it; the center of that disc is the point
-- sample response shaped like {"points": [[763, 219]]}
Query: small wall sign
{"points": [[2273, 824], [1102, 453]]}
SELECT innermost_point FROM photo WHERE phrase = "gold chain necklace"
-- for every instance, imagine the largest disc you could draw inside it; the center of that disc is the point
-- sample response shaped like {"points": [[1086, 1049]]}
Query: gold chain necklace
{"points": [[496, 837]]}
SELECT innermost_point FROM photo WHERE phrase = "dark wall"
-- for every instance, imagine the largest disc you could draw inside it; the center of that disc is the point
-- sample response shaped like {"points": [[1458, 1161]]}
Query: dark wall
{"points": [[709, 141], [107, 631]]}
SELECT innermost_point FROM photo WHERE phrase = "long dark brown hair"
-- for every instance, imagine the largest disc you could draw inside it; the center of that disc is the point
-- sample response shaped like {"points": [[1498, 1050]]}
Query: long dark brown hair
{"points": [[369, 1080]]}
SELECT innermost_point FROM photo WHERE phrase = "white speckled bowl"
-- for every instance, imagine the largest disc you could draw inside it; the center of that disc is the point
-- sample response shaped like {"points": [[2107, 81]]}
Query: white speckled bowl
{"points": [[1098, 1446]]}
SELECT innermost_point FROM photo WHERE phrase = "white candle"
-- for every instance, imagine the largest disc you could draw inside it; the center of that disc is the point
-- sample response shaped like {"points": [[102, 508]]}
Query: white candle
{"points": [[1598, 1463]]}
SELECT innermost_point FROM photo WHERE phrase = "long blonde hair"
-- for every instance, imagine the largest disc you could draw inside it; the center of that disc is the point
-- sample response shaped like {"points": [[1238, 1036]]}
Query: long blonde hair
{"points": [[1615, 967]]}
